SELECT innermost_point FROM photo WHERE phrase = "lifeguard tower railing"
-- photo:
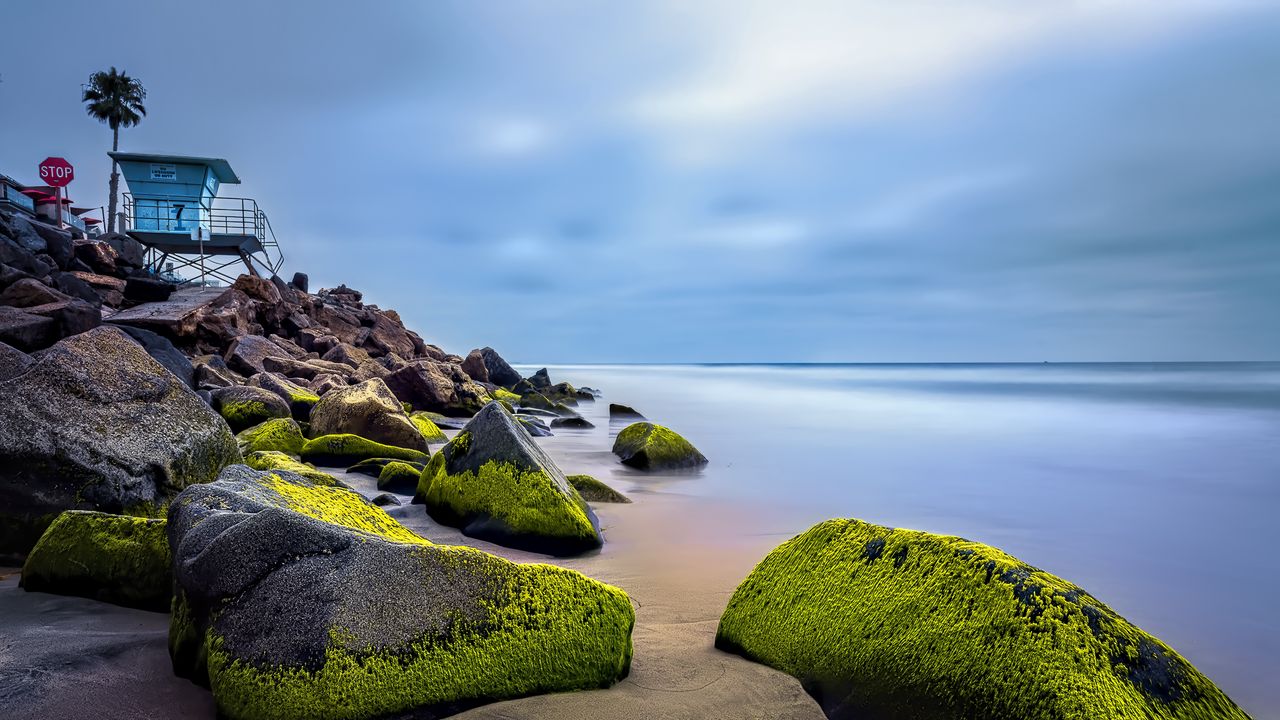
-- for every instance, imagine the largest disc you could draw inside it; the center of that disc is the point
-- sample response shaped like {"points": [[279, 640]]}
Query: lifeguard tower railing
{"points": [[236, 231]]}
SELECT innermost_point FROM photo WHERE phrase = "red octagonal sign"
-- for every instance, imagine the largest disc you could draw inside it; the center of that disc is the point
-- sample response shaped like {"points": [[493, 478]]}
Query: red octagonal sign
{"points": [[56, 172]]}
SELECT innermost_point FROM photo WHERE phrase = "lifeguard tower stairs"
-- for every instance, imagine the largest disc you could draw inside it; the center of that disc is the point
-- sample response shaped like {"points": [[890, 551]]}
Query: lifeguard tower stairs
{"points": [[173, 208]]}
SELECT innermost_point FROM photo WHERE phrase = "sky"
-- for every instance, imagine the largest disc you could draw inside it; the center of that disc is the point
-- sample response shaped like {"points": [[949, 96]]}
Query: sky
{"points": [[800, 181]]}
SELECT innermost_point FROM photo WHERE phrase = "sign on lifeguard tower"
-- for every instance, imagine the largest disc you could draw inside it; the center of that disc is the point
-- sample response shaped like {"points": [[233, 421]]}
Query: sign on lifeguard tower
{"points": [[173, 208]]}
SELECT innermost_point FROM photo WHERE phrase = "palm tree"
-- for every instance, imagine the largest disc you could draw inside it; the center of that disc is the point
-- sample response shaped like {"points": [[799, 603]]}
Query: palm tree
{"points": [[116, 99]]}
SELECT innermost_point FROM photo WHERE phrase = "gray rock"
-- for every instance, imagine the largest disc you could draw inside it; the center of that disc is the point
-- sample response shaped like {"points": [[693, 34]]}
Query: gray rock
{"points": [[129, 250], [572, 422], [248, 354], [97, 424], [13, 362], [244, 406], [30, 292], [145, 289], [474, 366], [300, 282], [25, 330], [368, 410], [500, 373], [163, 352], [300, 400], [386, 500], [623, 412]]}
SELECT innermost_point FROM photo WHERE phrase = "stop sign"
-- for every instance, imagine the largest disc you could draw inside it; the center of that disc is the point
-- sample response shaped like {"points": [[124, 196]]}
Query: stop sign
{"points": [[56, 172]]}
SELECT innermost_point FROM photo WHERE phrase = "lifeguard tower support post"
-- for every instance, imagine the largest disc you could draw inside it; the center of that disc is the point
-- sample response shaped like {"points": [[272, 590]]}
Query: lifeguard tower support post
{"points": [[173, 208]]}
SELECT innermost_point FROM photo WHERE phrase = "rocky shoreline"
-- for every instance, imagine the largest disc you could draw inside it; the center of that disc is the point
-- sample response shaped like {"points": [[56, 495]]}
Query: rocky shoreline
{"points": [[237, 458]]}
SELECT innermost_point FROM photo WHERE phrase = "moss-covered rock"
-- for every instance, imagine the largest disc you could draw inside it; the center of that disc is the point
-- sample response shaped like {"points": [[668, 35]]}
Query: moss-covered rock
{"points": [[281, 434], [379, 621], [538, 401], [593, 490], [373, 466], [430, 431], [244, 406], [400, 477], [343, 450], [495, 483], [301, 400], [879, 622], [648, 446], [113, 558], [276, 460], [95, 423], [368, 410]]}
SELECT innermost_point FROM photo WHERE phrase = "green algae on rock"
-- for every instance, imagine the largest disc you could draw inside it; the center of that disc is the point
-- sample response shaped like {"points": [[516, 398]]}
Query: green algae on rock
{"points": [[430, 431], [400, 477], [369, 410], [113, 558], [881, 622], [244, 406], [373, 466], [344, 449], [380, 621], [301, 400], [281, 435], [593, 490], [495, 483], [276, 460], [648, 446]]}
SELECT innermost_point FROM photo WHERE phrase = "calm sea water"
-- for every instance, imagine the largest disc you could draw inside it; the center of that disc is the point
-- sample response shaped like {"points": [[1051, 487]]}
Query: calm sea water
{"points": [[1156, 487]]}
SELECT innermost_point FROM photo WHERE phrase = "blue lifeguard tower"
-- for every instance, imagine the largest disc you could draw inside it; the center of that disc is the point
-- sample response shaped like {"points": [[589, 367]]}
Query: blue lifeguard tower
{"points": [[173, 208]]}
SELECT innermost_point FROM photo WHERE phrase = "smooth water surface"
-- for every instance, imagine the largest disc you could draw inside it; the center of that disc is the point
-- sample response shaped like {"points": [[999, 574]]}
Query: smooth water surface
{"points": [[1153, 486]]}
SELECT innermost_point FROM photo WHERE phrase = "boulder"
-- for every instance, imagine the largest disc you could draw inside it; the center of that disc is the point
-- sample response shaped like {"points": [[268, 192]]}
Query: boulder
{"points": [[147, 289], [423, 385], [244, 406], [623, 412], [495, 483], [301, 400], [29, 292], [127, 249], [211, 372], [96, 424], [474, 366], [388, 335], [99, 256], [258, 288], [308, 369], [430, 431], [163, 352], [247, 354], [343, 450], [110, 289], [368, 410], [71, 316], [296, 601], [534, 425], [647, 446], [300, 282], [75, 287], [26, 331], [540, 380], [295, 351], [577, 423], [500, 373], [14, 362], [592, 490], [281, 435], [400, 477], [322, 384], [373, 466], [287, 294], [276, 460], [538, 401], [111, 558], [385, 500], [880, 623]]}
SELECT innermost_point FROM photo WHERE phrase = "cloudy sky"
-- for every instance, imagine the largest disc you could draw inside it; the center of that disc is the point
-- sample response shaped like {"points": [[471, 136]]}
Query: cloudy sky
{"points": [[723, 181]]}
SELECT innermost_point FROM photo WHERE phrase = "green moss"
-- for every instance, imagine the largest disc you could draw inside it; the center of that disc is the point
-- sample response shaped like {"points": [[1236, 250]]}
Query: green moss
{"points": [[881, 622], [428, 428], [113, 558], [275, 460], [281, 434], [595, 491], [373, 466], [397, 476], [505, 396], [429, 473], [648, 446], [343, 449], [582, 628], [340, 506], [241, 414]]}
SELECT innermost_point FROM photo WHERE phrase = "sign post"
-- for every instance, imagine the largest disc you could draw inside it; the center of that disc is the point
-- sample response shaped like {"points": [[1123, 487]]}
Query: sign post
{"points": [[57, 173]]}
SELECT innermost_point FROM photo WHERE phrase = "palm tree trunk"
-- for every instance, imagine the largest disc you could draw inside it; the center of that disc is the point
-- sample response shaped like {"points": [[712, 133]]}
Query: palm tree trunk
{"points": [[115, 182]]}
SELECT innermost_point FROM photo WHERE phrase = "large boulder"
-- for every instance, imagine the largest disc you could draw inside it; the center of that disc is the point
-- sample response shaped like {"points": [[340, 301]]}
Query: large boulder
{"points": [[593, 490], [96, 424], [281, 435], [113, 558], [500, 373], [495, 483], [300, 601], [163, 352], [276, 460], [248, 354], [301, 400], [423, 385], [885, 623], [25, 330], [647, 446], [14, 362], [345, 449], [244, 406], [368, 410], [473, 365]]}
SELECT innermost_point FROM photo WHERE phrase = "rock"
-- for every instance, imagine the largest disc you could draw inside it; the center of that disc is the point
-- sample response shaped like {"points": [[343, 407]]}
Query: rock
{"points": [[110, 289], [648, 446], [13, 362], [70, 317], [323, 384], [75, 287], [346, 354], [111, 558], [163, 352], [300, 282], [400, 477], [623, 412], [537, 401], [301, 400], [534, 426], [368, 410], [99, 256], [540, 380], [24, 234], [248, 354], [29, 292], [258, 288], [97, 424], [878, 622], [293, 349], [443, 421], [430, 431], [474, 366], [280, 434], [276, 460], [500, 373], [386, 500], [342, 450], [147, 289], [26, 331], [572, 422], [388, 335], [245, 406], [592, 490], [211, 372], [309, 369], [423, 385], [496, 484], [127, 249], [373, 466], [287, 294], [379, 621]]}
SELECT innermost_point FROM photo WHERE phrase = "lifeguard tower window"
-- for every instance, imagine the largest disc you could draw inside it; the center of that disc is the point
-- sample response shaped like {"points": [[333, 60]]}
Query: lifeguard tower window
{"points": [[173, 208]]}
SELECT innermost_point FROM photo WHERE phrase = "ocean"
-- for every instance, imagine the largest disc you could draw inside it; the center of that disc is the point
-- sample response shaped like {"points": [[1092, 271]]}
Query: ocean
{"points": [[1153, 486]]}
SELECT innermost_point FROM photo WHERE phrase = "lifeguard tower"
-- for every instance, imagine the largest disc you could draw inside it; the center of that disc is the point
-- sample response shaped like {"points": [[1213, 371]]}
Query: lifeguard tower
{"points": [[173, 208]]}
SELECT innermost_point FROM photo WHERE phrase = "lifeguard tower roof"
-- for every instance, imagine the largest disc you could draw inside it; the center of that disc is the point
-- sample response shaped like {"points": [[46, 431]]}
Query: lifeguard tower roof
{"points": [[173, 208]]}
